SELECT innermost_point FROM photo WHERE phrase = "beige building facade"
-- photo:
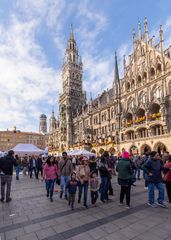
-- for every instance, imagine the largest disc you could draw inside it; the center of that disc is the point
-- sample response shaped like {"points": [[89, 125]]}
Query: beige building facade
{"points": [[134, 114], [9, 139]]}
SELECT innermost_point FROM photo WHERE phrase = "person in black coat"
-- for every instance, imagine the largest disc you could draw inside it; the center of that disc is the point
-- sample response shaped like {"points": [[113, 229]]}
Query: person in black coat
{"points": [[6, 170], [39, 164]]}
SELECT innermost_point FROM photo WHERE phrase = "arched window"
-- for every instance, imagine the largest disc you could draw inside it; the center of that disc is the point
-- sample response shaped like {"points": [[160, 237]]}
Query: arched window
{"points": [[152, 72], [139, 80], [159, 68], [170, 87], [73, 75], [130, 103], [142, 98], [145, 76], [132, 83], [156, 92], [74, 58], [112, 113], [128, 86]]}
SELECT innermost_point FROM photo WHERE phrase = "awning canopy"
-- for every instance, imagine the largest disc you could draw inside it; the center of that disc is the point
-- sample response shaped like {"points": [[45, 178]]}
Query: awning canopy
{"points": [[27, 149], [82, 152]]}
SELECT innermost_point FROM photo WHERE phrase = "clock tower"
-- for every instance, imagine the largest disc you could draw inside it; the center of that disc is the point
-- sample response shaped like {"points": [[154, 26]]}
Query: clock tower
{"points": [[72, 99]]}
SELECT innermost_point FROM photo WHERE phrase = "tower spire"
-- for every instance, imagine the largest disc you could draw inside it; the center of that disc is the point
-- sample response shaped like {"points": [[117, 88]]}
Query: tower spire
{"points": [[146, 29], [116, 78], [134, 39], [52, 111], [71, 33], [139, 30], [161, 38]]}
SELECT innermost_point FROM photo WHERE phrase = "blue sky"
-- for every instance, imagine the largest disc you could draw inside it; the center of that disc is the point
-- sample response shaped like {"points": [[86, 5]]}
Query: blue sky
{"points": [[33, 38]]}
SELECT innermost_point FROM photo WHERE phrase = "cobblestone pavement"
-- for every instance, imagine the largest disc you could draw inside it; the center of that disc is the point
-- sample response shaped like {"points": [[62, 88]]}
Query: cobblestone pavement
{"points": [[30, 216]]}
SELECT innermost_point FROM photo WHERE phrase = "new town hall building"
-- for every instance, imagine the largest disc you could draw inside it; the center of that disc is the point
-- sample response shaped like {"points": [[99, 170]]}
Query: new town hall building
{"points": [[134, 114]]}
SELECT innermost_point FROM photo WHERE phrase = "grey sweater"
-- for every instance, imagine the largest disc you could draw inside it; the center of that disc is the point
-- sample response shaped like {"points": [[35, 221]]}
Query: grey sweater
{"points": [[66, 170]]}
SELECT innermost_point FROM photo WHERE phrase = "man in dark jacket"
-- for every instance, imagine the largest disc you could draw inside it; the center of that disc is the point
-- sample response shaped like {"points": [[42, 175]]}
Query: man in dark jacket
{"points": [[6, 167], [153, 168], [39, 164]]}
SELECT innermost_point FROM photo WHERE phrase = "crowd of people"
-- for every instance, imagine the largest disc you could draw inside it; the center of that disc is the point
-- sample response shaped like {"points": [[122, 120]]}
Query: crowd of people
{"points": [[94, 175]]}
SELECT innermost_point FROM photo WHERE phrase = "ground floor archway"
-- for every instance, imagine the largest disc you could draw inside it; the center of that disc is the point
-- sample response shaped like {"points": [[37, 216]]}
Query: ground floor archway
{"points": [[160, 148], [133, 149], [145, 148], [93, 151]]}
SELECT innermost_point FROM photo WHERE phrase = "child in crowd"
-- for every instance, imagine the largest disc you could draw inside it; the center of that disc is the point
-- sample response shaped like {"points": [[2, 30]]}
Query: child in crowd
{"points": [[72, 188], [94, 187]]}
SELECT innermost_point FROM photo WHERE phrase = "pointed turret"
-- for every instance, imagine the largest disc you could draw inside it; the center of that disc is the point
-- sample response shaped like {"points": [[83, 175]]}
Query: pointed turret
{"points": [[116, 79], [72, 51], [124, 64], [134, 39], [146, 29], [71, 33], [161, 38], [52, 121], [139, 30]]}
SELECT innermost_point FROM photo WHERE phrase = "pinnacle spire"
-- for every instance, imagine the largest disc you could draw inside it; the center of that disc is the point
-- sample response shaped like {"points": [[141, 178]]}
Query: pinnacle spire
{"points": [[139, 29], [116, 78], [161, 38], [52, 115], [71, 33], [91, 99], [146, 29]]}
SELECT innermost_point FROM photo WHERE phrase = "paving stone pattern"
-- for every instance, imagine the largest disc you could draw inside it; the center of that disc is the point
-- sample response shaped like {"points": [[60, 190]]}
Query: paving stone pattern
{"points": [[30, 216]]}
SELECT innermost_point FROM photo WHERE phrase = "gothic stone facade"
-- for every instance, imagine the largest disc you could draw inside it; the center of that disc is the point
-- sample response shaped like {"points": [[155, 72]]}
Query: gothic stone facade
{"points": [[134, 114]]}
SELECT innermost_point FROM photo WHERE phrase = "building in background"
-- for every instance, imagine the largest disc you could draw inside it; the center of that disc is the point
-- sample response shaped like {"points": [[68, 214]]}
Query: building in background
{"points": [[43, 124], [134, 114], [9, 139]]}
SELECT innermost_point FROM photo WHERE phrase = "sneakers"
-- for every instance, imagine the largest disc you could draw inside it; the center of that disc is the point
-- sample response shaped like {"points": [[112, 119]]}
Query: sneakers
{"points": [[61, 194], [120, 204], [145, 188], [51, 199], [66, 197], [128, 207], [85, 205], [2, 199], [8, 200], [153, 205], [163, 205]]}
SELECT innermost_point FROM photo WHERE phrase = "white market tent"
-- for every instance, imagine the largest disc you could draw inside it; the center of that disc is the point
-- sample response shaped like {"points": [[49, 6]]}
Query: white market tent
{"points": [[2, 154], [83, 152], [27, 149]]}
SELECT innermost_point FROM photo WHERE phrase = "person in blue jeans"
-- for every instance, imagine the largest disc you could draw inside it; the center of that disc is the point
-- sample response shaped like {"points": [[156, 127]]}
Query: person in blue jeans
{"points": [[83, 174], [17, 168], [153, 168], [104, 175], [64, 171]]}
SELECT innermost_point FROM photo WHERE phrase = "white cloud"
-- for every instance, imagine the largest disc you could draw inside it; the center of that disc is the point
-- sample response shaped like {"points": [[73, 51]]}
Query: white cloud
{"points": [[25, 77], [27, 81]]}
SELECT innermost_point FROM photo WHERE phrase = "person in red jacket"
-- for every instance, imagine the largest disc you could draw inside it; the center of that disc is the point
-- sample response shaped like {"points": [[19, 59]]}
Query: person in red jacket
{"points": [[167, 178]]}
